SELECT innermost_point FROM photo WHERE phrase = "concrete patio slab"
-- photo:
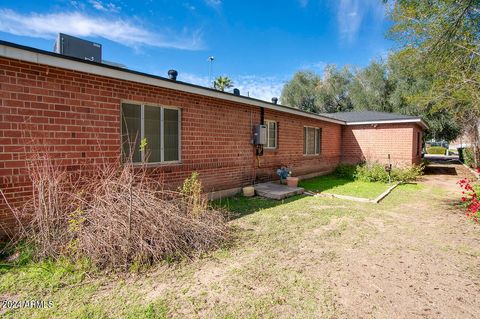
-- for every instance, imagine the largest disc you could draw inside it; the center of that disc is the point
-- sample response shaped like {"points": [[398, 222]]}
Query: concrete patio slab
{"points": [[276, 191]]}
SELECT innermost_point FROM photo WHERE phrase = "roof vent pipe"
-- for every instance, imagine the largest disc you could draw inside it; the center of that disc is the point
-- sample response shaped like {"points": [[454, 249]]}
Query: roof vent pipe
{"points": [[236, 92], [172, 75], [274, 100]]}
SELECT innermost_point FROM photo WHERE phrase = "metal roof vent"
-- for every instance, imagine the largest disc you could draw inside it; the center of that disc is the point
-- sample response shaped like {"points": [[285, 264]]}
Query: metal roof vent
{"points": [[172, 75], [236, 92], [274, 100]]}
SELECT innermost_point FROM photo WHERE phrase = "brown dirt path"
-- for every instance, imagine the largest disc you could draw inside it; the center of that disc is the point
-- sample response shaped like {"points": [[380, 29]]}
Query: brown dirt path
{"points": [[412, 256], [421, 259]]}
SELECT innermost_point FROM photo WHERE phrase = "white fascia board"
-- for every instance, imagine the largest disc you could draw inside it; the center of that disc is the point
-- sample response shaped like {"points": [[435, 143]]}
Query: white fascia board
{"points": [[418, 121], [60, 62]]}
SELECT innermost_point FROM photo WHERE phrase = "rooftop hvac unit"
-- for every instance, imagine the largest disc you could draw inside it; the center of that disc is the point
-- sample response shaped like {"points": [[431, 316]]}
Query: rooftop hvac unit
{"points": [[78, 48]]}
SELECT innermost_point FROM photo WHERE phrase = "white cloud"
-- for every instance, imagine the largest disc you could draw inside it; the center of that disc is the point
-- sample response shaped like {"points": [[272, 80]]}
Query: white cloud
{"points": [[213, 3], [303, 3], [105, 7], [259, 87], [125, 32], [351, 14], [77, 5], [193, 78], [189, 6], [315, 66]]}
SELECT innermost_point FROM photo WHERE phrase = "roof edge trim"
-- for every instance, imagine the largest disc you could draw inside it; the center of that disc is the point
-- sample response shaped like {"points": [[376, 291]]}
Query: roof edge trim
{"points": [[29, 54], [415, 120]]}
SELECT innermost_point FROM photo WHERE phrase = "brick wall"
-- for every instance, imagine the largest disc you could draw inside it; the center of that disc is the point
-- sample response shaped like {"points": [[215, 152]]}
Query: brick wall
{"points": [[417, 144], [290, 147], [374, 143], [77, 116]]}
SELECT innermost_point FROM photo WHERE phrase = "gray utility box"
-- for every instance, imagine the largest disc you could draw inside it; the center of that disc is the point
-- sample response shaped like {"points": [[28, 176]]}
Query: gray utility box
{"points": [[78, 48], [260, 135]]}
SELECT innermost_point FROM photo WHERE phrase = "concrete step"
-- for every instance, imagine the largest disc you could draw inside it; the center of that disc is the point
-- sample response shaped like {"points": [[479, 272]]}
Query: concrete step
{"points": [[276, 191]]}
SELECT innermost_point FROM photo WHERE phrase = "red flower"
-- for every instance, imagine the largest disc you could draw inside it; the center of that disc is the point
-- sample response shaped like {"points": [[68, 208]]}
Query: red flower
{"points": [[470, 196]]}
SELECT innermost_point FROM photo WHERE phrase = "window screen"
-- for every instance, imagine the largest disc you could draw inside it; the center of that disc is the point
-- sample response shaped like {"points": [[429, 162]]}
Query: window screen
{"points": [[271, 134], [312, 140], [159, 127], [131, 131], [152, 134], [170, 128], [318, 142]]}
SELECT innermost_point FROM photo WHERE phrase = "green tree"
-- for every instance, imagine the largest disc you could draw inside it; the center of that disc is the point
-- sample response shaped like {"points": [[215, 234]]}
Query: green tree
{"points": [[442, 37], [370, 88], [222, 83], [407, 82], [301, 91], [332, 92], [309, 92]]}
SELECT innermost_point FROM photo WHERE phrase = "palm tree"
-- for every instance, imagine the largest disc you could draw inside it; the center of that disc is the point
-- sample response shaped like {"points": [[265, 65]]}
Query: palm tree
{"points": [[222, 82]]}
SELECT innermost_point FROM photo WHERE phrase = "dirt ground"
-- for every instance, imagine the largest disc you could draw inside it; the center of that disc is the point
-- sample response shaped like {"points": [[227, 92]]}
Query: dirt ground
{"points": [[413, 255], [422, 259]]}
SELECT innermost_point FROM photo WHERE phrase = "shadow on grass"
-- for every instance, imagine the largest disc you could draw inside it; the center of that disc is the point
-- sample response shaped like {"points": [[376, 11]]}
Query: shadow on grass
{"points": [[241, 206]]}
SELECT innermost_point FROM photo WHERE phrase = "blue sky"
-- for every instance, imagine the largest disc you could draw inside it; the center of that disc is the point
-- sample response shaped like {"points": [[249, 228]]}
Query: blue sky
{"points": [[258, 44]]}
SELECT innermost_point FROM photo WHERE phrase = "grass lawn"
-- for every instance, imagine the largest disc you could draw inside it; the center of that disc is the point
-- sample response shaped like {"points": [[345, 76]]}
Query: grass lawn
{"points": [[343, 186], [305, 257], [255, 277]]}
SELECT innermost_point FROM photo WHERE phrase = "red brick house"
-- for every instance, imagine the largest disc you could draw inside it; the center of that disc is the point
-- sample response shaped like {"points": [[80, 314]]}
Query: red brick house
{"points": [[84, 111], [376, 136]]}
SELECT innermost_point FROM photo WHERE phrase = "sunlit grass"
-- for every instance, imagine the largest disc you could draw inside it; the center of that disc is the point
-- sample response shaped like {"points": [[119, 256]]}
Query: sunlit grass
{"points": [[343, 186]]}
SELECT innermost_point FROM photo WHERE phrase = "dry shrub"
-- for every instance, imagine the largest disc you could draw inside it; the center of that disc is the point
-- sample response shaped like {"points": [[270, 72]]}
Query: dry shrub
{"points": [[117, 217], [42, 220]]}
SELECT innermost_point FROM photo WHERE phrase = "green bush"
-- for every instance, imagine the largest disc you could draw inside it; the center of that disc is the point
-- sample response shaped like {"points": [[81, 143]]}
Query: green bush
{"points": [[437, 150], [407, 174], [375, 172], [346, 171], [371, 172], [468, 157]]}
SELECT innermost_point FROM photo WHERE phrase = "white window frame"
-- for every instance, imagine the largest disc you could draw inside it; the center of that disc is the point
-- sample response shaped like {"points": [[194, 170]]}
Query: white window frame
{"points": [[162, 132], [317, 142], [268, 135]]}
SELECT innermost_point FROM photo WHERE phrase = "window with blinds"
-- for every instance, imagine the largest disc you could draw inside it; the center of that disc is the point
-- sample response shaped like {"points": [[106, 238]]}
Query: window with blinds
{"points": [[158, 127], [312, 140], [271, 134]]}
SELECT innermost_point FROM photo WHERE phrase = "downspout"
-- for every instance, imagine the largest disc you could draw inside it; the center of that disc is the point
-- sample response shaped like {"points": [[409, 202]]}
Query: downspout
{"points": [[258, 150]]}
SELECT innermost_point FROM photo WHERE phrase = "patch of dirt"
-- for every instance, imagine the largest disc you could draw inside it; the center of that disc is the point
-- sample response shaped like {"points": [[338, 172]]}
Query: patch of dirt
{"points": [[415, 259], [421, 262]]}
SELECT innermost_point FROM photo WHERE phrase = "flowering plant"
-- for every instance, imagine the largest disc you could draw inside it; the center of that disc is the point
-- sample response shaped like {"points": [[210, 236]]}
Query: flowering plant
{"points": [[283, 172], [470, 199]]}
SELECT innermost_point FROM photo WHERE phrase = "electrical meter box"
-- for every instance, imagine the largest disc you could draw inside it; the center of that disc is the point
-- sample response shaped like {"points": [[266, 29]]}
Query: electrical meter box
{"points": [[260, 135]]}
